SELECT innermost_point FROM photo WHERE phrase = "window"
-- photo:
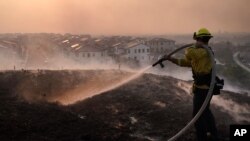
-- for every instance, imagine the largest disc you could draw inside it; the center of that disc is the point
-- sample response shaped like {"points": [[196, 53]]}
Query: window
{"points": [[139, 50], [162, 43], [143, 50], [148, 50], [128, 51], [83, 55], [88, 55], [135, 57], [135, 50]]}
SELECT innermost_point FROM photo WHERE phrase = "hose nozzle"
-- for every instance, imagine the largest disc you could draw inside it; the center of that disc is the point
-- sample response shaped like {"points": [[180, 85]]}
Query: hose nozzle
{"points": [[159, 62]]}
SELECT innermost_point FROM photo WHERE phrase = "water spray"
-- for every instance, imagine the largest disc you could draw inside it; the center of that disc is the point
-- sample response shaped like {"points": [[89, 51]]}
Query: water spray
{"points": [[77, 94], [209, 95]]}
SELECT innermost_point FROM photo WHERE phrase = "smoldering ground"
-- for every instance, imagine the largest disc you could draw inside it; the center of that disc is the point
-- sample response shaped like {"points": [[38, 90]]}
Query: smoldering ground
{"points": [[138, 108]]}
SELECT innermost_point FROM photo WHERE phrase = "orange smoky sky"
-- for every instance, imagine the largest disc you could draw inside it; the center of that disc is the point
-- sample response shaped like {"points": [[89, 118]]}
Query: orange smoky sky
{"points": [[132, 17]]}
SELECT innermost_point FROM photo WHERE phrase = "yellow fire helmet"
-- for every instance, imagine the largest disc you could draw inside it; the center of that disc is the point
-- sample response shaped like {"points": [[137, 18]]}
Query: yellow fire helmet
{"points": [[203, 32]]}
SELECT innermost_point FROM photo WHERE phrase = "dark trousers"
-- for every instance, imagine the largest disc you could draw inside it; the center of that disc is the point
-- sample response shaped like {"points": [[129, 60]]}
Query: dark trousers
{"points": [[206, 122]]}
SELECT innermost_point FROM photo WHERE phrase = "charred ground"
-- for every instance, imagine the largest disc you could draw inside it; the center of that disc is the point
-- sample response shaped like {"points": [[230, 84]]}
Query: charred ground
{"points": [[151, 107]]}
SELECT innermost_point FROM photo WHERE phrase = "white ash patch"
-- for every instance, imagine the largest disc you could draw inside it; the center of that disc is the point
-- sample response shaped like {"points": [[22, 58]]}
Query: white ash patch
{"points": [[160, 104], [133, 120]]}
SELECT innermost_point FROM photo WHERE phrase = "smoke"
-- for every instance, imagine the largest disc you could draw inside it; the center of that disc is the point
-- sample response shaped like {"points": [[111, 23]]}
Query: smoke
{"points": [[173, 71], [233, 87], [41, 53], [9, 57], [123, 17], [236, 89], [239, 112], [26, 89], [186, 75]]}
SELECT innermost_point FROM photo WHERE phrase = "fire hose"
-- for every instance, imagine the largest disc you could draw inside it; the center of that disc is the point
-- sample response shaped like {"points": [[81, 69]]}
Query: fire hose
{"points": [[209, 95]]}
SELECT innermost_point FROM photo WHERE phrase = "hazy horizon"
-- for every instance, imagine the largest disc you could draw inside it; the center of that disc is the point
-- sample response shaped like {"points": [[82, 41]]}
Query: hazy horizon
{"points": [[124, 17]]}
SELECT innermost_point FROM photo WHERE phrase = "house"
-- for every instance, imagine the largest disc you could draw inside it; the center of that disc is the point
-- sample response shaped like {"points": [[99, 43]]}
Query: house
{"points": [[144, 50], [160, 46], [117, 48], [137, 51], [90, 54]]}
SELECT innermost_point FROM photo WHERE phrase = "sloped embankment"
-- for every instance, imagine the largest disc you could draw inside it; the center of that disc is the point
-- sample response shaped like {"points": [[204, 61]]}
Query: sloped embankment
{"points": [[148, 108]]}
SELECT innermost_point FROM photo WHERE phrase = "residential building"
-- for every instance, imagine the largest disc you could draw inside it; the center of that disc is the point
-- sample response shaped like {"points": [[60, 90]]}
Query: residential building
{"points": [[138, 51], [160, 46]]}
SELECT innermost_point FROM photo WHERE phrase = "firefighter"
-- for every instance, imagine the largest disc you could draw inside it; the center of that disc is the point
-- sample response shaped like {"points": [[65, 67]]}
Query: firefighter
{"points": [[198, 59]]}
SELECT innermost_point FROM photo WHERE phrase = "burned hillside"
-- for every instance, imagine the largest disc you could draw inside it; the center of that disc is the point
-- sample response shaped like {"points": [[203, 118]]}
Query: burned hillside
{"points": [[151, 107]]}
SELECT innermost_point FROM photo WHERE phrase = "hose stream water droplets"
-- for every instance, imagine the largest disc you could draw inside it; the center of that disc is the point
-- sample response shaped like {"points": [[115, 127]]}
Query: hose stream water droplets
{"points": [[90, 89], [132, 77]]}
